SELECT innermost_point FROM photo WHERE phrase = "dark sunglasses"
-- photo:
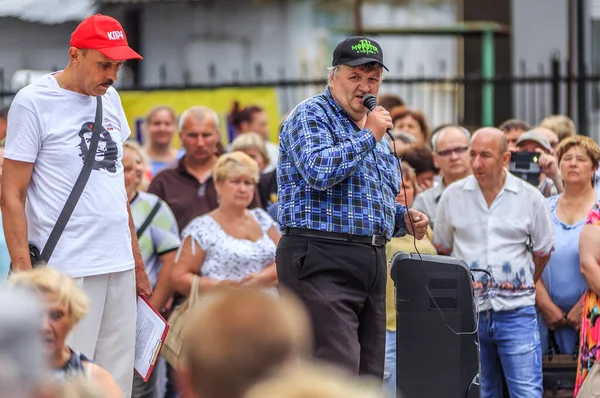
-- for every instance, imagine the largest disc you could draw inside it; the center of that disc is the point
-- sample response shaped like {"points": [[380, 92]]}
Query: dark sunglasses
{"points": [[449, 152]]}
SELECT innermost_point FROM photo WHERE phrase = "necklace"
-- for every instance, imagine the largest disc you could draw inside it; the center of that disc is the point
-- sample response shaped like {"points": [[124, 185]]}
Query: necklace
{"points": [[581, 206]]}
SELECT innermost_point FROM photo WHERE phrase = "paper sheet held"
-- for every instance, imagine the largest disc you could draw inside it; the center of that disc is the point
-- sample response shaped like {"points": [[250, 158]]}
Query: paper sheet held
{"points": [[151, 331]]}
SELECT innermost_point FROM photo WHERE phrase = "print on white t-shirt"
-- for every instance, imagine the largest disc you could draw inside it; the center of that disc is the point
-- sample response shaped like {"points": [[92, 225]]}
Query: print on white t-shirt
{"points": [[107, 153], [51, 127]]}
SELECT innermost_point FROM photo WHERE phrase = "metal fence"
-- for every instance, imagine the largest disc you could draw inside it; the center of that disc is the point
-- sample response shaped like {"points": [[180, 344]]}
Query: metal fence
{"points": [[528, 95]]}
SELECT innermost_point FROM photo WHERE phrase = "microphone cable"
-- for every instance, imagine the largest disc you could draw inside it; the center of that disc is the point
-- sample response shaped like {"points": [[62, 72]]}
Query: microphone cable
{"points": [[476, 379], [370, 102], [412, 225]]}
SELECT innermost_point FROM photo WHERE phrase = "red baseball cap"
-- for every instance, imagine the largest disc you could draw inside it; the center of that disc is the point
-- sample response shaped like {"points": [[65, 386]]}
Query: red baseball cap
{"points": [[105, 34]]}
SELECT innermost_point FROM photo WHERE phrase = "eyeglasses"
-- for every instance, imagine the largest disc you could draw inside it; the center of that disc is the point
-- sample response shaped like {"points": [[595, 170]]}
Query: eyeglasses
{"points": [[449, 152]]}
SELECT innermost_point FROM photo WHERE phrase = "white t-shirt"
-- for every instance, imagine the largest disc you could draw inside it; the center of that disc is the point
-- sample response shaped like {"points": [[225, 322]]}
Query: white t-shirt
{"points": [[51, 127]]}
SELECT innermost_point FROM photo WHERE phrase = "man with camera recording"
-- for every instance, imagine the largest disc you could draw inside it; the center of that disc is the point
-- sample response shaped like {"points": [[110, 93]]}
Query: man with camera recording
{"points": [[535, 141]]}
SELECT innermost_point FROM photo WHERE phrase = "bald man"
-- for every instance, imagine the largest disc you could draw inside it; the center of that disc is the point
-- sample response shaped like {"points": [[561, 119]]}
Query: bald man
{"points": [[451, 155], [500, 224]]}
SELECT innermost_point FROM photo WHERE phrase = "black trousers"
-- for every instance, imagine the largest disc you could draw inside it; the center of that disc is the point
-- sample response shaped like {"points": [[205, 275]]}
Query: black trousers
{"points": [[342, 285]]}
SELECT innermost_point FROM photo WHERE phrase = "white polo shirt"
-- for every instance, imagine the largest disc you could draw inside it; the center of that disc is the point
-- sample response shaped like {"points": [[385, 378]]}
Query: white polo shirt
{"points": [[494, 238], [427, 201]]}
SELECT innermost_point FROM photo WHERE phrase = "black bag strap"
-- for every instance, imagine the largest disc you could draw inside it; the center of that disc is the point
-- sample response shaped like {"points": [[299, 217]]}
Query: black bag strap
{"points": [[77, 190], [553, 348], [149, 219]]}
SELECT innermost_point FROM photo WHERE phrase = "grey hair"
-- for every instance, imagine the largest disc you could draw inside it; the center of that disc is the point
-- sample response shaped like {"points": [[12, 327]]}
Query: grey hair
{"points": [[333, 73], [199, 113], [335, 70], [436, 135]]}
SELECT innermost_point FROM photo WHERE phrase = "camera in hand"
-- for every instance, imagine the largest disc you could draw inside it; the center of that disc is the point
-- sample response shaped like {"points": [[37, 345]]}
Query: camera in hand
{"points": [[525, 166]]}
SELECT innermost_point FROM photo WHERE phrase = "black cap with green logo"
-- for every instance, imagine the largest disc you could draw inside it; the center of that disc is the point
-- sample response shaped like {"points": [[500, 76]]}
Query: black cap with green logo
{"points": [[356, 51]]}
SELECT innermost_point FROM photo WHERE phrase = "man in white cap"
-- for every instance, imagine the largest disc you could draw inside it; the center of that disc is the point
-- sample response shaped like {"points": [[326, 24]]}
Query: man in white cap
{"points": [[50, 130], [550, 179]]}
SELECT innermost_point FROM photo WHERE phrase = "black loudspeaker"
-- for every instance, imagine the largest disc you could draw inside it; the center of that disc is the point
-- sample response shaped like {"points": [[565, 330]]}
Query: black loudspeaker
{"points": [[432, 297]]}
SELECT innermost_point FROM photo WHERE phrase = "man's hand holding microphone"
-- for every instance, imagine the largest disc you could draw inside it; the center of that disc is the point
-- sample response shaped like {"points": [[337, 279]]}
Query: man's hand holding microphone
{"points": [[379, 122]]}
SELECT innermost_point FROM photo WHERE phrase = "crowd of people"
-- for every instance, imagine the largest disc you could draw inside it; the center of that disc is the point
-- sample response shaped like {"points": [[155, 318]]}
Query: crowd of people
{"points": [[291, 241]]}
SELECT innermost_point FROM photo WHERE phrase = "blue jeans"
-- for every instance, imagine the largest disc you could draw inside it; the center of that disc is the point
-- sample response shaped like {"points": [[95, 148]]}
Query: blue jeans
{"points": [[389, 371], [510, 341]]}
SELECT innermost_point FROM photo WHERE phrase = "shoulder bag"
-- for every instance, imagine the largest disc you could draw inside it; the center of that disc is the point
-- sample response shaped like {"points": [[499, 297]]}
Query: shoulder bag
{"points": [[38, 258]]}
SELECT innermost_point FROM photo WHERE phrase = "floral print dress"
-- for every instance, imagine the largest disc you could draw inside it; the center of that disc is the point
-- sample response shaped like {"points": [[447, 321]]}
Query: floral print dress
{"points": [[590, 327]]}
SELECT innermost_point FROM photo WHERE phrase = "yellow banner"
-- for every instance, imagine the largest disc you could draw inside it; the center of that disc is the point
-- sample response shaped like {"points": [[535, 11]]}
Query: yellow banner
{"points": [[138, 103]]}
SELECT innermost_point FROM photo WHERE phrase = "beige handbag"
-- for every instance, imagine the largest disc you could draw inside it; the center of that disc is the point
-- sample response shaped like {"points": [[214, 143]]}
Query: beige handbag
{"points": [[591, 385], [173, 350]]}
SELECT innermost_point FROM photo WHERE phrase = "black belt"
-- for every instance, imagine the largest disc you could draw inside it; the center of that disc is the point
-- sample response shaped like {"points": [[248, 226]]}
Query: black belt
{"points": [[375, 240]]}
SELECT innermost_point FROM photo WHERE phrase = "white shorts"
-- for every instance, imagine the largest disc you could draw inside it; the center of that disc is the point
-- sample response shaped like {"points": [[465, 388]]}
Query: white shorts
{"points": [[107, 334]]}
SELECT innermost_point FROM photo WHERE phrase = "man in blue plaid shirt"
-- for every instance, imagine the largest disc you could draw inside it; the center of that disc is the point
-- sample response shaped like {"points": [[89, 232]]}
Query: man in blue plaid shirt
{"points": [[337, 186]]}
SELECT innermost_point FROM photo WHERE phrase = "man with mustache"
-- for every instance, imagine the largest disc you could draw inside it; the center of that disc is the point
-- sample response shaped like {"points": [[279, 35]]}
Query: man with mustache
{"points": [[500, 224], [338, 181], [98, 247]]}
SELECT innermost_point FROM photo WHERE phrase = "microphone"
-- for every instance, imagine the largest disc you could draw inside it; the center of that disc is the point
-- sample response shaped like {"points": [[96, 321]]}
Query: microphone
{"points": [[370, 102]]}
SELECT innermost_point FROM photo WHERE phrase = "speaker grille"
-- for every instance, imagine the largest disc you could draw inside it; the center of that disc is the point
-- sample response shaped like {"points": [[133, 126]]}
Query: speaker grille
{"points": [[445, 303], [443, 283]]}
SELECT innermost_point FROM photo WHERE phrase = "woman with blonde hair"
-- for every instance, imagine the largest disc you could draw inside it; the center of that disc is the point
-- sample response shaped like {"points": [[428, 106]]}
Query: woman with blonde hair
{"points": [[66, 305], [253, 145], [231, 245], [142, 164]]}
